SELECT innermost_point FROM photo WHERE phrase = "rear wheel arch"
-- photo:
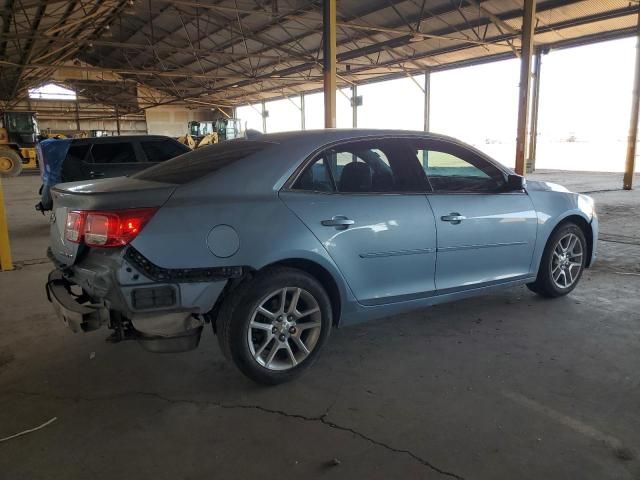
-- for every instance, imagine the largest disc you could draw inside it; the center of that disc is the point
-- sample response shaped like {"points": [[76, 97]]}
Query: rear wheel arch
{"points": [[322, 275], [317, 271]]}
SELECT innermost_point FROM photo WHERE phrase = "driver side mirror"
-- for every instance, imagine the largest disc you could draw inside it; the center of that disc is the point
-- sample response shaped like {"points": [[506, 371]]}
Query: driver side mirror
{"points": [[515, 183]]}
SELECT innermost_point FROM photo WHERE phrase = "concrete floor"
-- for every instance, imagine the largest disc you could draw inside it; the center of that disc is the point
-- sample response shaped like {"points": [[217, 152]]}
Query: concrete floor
{"points": [[503, 386]]}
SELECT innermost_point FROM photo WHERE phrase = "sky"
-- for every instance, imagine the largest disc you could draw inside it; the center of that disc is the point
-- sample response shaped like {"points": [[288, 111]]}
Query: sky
{"points": [[51, 91], [585, 107], [586, 91]]}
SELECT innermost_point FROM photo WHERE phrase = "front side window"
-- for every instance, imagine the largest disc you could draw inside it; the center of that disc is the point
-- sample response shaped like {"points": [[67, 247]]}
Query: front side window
{"points": [[373, 166], [450, 168], [113, 153]]}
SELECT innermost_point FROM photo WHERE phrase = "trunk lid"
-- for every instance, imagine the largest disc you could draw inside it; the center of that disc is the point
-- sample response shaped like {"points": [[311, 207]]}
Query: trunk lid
{"points": [[111, 194]]}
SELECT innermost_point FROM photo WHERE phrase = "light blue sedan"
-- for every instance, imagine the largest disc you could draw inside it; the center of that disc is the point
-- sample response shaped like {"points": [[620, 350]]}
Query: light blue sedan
{"points": [[277, 239]]}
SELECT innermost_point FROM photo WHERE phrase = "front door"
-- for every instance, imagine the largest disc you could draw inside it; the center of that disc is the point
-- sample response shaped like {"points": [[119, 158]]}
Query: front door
{"points": [[486, 235], [365, 203]]}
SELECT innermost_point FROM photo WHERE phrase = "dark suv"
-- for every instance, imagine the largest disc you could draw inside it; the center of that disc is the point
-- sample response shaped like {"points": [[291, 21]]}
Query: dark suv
{"points": [[70, 160]]}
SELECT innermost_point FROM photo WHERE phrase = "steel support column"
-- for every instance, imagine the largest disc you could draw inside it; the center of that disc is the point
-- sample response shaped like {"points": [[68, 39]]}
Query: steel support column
{"points": [[77, 116], [264, 117], [329, 61], [630, 165], [354, 106], [117, 120], [525, 83], [5, 247], [427, 100], [302, 126], [535, 104]]}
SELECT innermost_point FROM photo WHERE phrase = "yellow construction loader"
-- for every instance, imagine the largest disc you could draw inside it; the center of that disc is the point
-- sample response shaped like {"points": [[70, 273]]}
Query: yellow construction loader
{"points": [[210, 132], [18, 137]]}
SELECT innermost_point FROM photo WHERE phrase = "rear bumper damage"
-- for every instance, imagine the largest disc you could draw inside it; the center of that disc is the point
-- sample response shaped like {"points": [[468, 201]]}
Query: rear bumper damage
{"points": [[76, 311], [164, 310]]}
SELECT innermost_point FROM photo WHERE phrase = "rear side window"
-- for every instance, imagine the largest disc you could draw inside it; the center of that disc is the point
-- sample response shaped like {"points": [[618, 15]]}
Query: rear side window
{"points": [[113, 153], [161, 150], [371, 166], [201, 162], [78, 152]]}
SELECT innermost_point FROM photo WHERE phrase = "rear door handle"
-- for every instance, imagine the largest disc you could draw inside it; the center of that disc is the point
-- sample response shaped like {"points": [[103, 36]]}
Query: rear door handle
{"points": [[340, 222], [96, 174], [454, 218]]}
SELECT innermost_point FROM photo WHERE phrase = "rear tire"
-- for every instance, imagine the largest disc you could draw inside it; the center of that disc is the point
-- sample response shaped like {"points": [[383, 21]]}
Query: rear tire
{"points": [[274, 326], [10, 162], [562, 262]]}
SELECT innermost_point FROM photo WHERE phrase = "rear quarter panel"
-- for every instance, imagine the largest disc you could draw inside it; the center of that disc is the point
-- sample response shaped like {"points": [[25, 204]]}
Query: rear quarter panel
{"points": [[267, 231]]}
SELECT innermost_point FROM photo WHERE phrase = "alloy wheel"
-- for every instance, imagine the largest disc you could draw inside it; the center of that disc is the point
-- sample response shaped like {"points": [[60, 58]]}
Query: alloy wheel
{"points": [[285, 328], [566, 261]]}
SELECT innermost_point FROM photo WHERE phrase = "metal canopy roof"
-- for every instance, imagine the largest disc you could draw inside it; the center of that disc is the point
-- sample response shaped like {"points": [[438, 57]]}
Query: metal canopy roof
{"points": [[232, 52]]}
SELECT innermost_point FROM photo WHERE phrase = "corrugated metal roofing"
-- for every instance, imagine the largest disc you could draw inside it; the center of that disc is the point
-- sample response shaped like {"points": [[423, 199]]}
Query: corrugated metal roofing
{"points": [[232, 52]]}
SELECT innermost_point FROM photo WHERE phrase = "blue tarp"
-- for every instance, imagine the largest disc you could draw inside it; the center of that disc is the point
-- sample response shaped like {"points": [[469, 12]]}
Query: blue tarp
{"points": [[51, 153]]}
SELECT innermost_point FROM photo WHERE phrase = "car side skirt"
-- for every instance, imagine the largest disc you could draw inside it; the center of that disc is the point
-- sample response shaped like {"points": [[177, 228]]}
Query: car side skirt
{"points": [[355, 313]]}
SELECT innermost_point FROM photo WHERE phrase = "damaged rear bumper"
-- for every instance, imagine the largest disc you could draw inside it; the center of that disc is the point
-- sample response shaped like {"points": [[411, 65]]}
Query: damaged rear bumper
{"points": [[75, 310], [163, 309], [81, 315]]}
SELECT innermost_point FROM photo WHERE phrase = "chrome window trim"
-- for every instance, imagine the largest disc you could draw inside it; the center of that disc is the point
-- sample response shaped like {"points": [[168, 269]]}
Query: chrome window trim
{"points": [[288, 185]]}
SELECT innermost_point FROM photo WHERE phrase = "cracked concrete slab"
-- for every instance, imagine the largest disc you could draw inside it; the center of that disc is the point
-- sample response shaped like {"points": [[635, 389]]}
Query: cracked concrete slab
{"points": [[504, 386]]}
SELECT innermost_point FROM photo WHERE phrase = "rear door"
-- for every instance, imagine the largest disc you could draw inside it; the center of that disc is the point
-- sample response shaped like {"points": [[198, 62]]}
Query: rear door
{"points": [[486, 235], [365, 203], [113, 159]]}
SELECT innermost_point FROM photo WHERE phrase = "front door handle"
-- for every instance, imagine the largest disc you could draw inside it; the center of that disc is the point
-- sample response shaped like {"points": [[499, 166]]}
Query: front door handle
{"points": [[96, 174], [340, 222], [454, 218]]}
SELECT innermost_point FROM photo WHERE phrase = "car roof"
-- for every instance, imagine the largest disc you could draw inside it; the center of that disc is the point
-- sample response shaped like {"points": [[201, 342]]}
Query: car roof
{"points": [[321, 137], [283, 153], [302, 144], [121, 138]]}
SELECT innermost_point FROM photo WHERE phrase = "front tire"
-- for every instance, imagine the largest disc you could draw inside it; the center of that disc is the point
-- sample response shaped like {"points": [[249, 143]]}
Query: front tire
{"points": [[274, 325], [10, 162], [562, 262]]}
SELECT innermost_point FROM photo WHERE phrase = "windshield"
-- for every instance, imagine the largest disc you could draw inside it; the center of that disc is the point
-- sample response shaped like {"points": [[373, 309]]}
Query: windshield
{"points": [[20, 122], [199, 129], [201, 162]]}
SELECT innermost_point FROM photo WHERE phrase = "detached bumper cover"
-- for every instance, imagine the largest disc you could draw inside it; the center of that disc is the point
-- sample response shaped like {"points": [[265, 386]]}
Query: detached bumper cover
{"points": [[76, 312]]}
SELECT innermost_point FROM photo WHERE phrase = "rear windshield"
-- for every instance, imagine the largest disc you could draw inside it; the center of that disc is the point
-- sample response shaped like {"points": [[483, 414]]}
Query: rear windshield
{"points": [[196, 164]]}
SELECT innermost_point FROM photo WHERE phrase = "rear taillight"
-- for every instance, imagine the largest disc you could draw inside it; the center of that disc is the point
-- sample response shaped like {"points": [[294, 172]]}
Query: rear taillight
{"points": [[74, 226], [106, 228]]}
